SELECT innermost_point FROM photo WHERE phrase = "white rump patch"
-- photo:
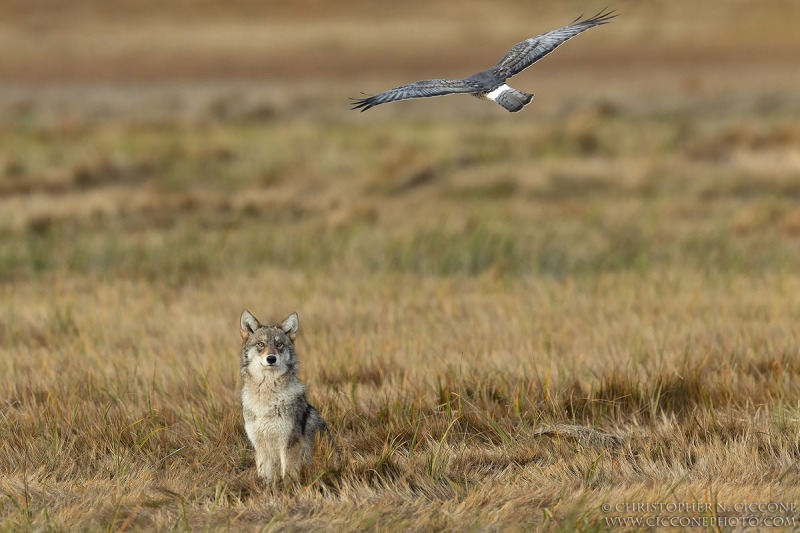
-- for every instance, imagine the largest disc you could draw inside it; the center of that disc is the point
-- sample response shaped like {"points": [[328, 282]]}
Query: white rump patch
{"points": [[497, 92]]}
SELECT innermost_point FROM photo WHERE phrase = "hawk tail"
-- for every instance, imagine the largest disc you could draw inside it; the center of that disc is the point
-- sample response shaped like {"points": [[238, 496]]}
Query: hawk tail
{"points": [[510, 98]]}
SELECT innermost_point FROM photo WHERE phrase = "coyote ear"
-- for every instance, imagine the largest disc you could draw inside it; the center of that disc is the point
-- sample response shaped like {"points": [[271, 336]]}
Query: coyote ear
{"points": [[290, 325], [249, 324]]}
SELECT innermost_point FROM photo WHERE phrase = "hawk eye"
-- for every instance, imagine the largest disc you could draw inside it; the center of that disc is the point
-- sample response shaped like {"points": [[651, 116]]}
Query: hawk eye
{"points": [[260, 345]]}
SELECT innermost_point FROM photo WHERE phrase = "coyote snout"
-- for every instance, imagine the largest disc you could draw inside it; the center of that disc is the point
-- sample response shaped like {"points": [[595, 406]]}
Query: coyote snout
{"points": [[280, 423]]}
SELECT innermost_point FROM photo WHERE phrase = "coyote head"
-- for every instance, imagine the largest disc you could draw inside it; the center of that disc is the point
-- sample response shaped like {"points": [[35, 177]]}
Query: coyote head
{"points": [[268, 348]]}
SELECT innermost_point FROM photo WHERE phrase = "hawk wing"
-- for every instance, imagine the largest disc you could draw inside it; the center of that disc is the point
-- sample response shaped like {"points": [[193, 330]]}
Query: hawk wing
{"points": [[524, 54], [419, 89]]}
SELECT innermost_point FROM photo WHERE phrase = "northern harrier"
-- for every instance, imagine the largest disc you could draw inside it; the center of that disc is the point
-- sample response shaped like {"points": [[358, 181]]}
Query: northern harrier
{"points": [[490, 83]]}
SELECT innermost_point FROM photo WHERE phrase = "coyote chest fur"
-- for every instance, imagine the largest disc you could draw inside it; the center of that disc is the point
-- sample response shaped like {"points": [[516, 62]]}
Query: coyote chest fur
{"points": [[279, 421]]}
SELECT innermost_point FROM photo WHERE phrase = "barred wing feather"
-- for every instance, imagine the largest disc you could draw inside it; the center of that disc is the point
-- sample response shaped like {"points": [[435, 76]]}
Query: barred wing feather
{"points": [[524, 54], [420, 89]]}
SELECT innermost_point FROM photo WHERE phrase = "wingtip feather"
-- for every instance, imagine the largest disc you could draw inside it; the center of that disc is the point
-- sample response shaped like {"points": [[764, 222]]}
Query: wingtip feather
{"points": [[603, 17], [361, 103]]}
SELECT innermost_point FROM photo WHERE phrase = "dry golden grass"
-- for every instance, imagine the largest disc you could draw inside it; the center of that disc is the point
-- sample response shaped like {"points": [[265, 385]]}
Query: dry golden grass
{"points": [[508, 321], [120, 405]]}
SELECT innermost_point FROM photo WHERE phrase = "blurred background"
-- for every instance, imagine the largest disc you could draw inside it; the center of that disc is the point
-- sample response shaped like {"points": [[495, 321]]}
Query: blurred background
{"points": [[150, 138], [621, 255]]}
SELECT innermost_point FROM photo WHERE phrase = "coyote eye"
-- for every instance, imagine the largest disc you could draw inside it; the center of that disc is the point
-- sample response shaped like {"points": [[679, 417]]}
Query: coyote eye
{"points": [[279, 345], [260, 345]]}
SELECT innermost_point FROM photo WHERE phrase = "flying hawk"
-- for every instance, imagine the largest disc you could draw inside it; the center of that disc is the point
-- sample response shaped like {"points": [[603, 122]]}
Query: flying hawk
{"points": [[490, 83]]}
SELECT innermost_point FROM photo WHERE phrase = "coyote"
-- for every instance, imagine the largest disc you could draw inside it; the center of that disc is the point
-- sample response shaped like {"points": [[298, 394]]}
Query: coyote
{"points": [[279, 421]]}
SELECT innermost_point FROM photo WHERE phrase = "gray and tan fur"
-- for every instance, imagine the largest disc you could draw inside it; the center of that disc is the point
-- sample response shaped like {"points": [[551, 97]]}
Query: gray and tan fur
{"points": [[280, 423]]}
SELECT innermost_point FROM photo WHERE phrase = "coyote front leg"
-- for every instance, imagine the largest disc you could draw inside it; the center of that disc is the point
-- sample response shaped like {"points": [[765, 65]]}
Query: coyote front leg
{"points": [[265, 465]]}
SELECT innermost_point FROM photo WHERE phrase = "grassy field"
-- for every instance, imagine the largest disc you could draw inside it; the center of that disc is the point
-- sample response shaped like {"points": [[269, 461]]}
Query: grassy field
{"points": [[509, 322]]}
